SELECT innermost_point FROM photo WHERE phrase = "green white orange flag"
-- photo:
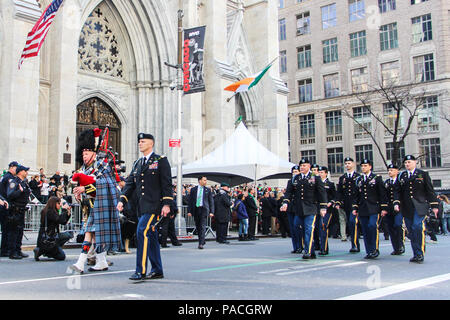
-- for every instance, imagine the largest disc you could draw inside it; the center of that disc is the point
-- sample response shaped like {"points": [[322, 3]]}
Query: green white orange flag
{"points": [[247, 83]]}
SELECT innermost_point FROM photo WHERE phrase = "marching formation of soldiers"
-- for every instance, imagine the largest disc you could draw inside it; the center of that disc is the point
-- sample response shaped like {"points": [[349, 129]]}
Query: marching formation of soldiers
{"points": [[361, 200]]}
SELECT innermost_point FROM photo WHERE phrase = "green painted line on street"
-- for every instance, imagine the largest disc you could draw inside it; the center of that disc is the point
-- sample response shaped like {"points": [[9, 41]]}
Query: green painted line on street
{"points": [[318, 261]]}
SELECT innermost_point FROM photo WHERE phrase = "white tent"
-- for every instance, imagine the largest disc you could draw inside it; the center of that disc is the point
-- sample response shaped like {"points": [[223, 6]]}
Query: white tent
{"points": [[241, 158]]}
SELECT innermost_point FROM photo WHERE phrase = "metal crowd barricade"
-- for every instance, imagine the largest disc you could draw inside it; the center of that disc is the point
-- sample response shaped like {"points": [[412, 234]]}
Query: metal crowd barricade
{"points": [[33, 218], [187, 226]]}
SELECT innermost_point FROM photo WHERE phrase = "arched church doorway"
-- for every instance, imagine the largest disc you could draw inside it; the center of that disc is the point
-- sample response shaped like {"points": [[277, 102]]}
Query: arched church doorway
{"points": [[95, 113]]}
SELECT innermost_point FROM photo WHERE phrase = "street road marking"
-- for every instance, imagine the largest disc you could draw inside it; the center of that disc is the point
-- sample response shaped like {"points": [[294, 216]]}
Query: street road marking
{"points": [[382, 292], [301, 266], [65, 277], [244, 265], [321, 268]]}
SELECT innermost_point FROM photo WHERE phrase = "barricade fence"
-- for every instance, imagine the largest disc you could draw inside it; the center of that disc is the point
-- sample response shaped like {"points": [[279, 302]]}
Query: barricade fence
{"points": [[33, 218]]}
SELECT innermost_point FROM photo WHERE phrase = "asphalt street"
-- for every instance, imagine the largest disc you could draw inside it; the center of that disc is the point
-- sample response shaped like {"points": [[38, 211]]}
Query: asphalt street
{"points": [[254, 270]]}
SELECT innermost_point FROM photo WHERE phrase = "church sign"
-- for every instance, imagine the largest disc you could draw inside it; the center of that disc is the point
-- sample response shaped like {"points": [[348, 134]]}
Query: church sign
{"points": [[193, 53]]}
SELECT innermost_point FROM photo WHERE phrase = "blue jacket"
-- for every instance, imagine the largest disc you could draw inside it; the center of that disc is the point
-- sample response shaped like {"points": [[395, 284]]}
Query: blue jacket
{"points": [[241, 210]]}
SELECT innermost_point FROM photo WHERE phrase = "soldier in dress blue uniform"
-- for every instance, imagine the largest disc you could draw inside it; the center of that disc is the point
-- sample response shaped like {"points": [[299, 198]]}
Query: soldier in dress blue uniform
{"points": [[151, 180], [308, 193], [18, 195], [296, 232], [394, 219], [326, 218], [370, 201], [345, 196], [6, 179], [416, 196]]}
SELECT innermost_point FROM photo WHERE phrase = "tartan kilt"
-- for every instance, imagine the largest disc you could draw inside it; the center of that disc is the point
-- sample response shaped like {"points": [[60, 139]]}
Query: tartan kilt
{"points": [[104, 218]]}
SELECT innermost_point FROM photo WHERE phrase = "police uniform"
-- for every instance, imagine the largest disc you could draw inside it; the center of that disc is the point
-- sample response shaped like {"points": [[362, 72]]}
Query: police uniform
{"points": [[6, 179], [18, 200], [394, 219], [324, 224], [416, 196], [296, 232], [345, 197], [151, 180], [308, 193], [370, 199]]}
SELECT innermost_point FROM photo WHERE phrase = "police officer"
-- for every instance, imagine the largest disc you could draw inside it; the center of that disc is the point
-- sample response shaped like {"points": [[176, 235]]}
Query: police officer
{"points": [[326, 218], [345, 195], [296, 231], [6, 179], [394, 219], [151, 180], [222, 212], [416, 196], [370, 200], [309, 192], [18, 194]]}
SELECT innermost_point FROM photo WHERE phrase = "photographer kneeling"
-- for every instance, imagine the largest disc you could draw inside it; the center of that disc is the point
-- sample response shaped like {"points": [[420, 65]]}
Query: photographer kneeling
{"points": [[49, 230]]}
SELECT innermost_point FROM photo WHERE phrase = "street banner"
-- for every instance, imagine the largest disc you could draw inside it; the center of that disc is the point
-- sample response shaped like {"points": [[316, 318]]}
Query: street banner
{"points": [[193, 53]]}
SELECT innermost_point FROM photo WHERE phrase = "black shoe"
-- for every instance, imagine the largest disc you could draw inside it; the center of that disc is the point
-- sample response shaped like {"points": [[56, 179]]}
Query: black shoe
{"points": [[369, 256], [354, 250], [397, 253], [23, 255], [200, 246], [15, 257], [164, 246], [417, 259], [375, 254], [224, 242], [36, 253], [308, 256], [178, 244], [137, 277], [323, 253], [154, 275]]}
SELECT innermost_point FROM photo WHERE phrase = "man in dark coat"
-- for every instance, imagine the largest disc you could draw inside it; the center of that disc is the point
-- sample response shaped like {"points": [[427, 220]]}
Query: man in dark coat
{"points": [[394, 218], [4, 182], [222, 213], [201, 204], [268, 210], [252, 212], [416, 197]]}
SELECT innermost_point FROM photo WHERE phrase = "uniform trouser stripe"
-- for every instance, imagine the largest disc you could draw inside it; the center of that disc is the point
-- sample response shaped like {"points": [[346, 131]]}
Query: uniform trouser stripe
{"points": [[311, 240], [355, 237], [423, 236], [144, 250], [378, 233]]}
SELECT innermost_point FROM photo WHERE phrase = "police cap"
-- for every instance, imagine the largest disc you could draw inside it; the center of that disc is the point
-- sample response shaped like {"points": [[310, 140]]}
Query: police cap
{"points": [[21, 168], [13, 164]]}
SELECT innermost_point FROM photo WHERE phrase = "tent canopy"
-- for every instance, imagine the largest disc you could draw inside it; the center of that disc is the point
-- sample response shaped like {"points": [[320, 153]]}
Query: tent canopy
{"points": [[241, 158]]}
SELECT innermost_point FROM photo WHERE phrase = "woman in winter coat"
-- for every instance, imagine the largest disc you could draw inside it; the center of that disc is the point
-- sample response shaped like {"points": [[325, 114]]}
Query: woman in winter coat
{"points": [[242, 217]]}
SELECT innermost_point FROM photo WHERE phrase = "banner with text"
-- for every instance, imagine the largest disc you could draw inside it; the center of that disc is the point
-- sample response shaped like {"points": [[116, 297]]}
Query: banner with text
{"points": [[193, 53]]}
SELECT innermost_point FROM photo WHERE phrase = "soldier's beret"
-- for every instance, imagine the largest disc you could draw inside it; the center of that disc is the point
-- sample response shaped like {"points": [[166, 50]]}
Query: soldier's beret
{"points": [[409, 157], [366, 161], [302, 161], [224, 184], [21, 168], [348, 159], [295, 168], [323, 168], [145, 136], [315, 165], [392, 166], [13, 164]]}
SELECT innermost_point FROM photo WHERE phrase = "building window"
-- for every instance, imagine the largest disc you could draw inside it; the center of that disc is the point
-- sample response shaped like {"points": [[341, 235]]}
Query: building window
{"points": [[305, 90], [282, 29], [390, 151], [330, 50], [390, 117], [304, 57], [331, 85], [307, 129], [422, 29], [388, 36], [333, 121], [428, 116], [356, 10], [362, 122], [360, 79], [386, 5], [390, 73], [335, 160], [437, 183], [303, 23], [310, 155], [358, 44], [283, 61], [363, 152], [430, 151], [329, 16], [424, 68]]}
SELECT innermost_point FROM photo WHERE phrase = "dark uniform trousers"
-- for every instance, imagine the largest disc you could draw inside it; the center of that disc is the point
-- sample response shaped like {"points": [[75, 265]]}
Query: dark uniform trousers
{"points": [[394, 220], [221, 231], [308, 193], [294, 225], [151, 182], [4, 213], [200, 218], [324, 222], [345, 196], [417, 196], [371, 199]]}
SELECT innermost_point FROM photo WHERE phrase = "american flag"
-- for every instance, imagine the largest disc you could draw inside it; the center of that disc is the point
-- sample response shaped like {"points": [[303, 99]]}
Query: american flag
{"points": [[37, 35]]}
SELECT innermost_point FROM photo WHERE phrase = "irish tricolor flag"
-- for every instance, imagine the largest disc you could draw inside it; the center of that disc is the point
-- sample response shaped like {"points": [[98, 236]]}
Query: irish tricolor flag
{"points": [[247, 83]]}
